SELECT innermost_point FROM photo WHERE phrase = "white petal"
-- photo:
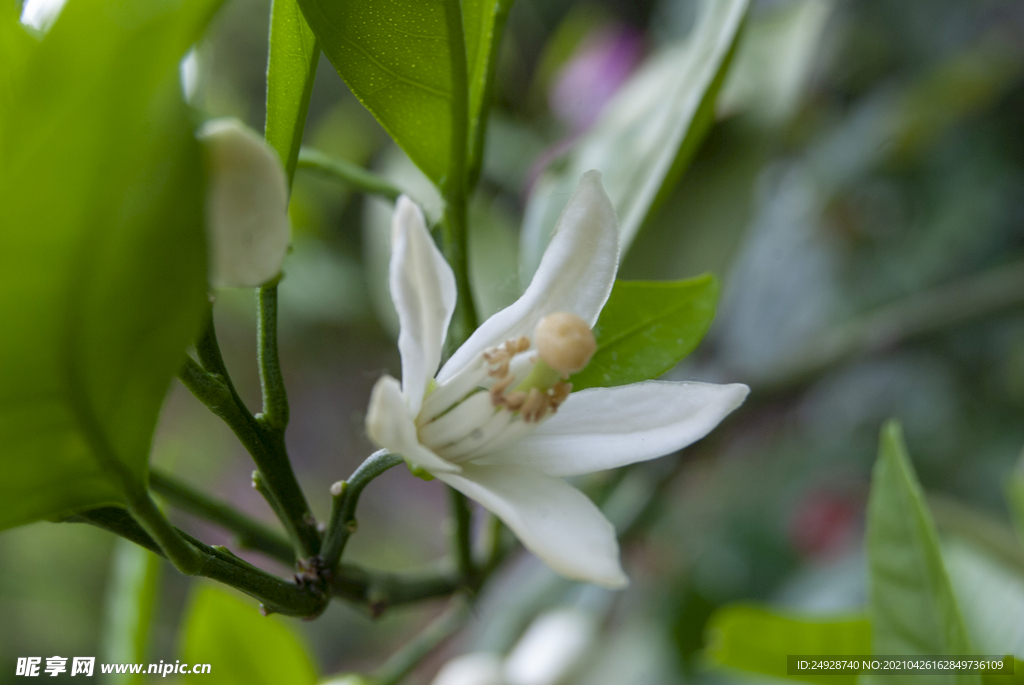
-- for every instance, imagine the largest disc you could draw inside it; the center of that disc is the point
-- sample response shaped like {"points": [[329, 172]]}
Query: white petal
{"points": [[466, 417], [553, 520], [575, 275], [454, 389], [478, 668], [423, 290], [389, 425], [603, 428], [246, 205]]}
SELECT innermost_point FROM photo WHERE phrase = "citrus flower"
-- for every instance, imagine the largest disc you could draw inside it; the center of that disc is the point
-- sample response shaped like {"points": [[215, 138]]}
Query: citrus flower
{"points": [[498, 421], [551, 649], [246, 205]]}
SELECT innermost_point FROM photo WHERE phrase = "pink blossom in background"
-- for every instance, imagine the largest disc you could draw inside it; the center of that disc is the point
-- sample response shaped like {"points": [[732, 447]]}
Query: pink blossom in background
{"points": [[601, 64]]}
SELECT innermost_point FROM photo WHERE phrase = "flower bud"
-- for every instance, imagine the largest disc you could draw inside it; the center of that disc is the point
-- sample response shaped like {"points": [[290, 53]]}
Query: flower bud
{"points": [[246, 205], [565, 342]]}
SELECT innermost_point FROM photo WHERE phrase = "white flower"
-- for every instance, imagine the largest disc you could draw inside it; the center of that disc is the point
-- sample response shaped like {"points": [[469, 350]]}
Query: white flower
{"points": [[246, 205], [497, 422], [548, 651]]}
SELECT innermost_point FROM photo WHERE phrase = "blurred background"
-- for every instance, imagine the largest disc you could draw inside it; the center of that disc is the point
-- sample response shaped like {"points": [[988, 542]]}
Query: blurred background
{"points": [[861, 198]]}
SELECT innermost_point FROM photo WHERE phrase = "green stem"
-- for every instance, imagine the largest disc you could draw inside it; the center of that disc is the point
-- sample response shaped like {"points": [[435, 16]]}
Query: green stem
{"points": [[379, 590], [454, 185], [462, 537], [402, 662], [342, 522], [347, 172], [267, 451], [250, 534], [276, 594], [275, 398]]}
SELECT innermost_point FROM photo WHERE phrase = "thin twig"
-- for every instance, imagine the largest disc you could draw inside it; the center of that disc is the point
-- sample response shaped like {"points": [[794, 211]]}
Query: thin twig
{"points": [[342, 522]]}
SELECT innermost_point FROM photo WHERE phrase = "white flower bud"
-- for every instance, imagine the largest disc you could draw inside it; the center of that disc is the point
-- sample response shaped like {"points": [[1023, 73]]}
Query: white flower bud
{"points": [[551, 648], [246, 205], [565, 342], [478, 668]]}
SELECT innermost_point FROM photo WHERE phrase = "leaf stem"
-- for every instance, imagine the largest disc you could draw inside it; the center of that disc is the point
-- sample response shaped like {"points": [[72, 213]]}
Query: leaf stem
{"points": [[402, 662], [347, 172], [250, 533], [479, 125], [454, 185], [342, 522], [462, 537]]}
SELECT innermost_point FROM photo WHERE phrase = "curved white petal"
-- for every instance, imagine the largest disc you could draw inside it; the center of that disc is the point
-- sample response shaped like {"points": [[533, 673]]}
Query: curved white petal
{"points": [[476, 668], [553, 520], [389, 425], [246, 205], [603, 428], [423, 290], [575, 275]]}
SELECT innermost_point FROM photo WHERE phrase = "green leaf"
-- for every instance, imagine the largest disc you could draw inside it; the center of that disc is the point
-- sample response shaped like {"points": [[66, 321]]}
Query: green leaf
{"points": [[291, 70], [103, 268], [646, 135], [754, 639], [131, 598], [911, 602], [645, 328], [396, 58], [242, 646]]}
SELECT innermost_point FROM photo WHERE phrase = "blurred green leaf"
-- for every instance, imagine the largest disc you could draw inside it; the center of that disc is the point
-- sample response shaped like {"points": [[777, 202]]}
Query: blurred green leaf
{"points": [[645, 328], [131, 598], [396, 58], [990, 594], [103, 268], [911, 603], [751, 638], [1015, 498], [646, 135], [291, 70], [242, 646]]}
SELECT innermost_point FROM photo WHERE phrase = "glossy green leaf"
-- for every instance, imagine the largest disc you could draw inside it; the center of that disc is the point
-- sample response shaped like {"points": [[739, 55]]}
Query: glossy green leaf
{"points": [[757, 640], [911, 603], [102, 266], [645, 328], [646, 135], [242, 646], [131, 598], [396, 58], [291, 70]]}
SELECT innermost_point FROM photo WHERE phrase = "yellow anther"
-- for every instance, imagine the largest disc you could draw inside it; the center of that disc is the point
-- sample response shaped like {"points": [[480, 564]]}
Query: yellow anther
{"points": [[565, 342]]}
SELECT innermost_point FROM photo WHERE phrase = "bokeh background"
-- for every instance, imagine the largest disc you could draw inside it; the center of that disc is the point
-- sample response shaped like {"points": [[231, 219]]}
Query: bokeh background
{"points": [[861, 198]]}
